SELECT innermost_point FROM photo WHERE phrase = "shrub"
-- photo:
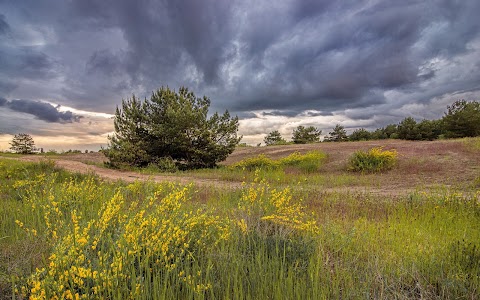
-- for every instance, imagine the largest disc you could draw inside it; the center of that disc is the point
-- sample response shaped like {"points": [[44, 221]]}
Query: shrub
{"points": [[257, 162], [164, 164], [125, 243], [309, 162], [373, 160], [472, 143], [269, 211]]}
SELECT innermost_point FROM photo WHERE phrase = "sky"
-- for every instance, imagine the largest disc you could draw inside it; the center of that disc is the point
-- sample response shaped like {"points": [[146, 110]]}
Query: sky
{"points": [[66, 65]]}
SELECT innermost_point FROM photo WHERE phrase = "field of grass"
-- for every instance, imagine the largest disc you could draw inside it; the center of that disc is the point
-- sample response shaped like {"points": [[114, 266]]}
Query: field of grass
{"points": [[283, 235]]}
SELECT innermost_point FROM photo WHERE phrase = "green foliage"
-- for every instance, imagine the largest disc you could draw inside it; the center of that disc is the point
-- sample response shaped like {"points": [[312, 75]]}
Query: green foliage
{"points": [[171, 125], [388, 132], [258, 162], [306, 135], [163, 164], [360, 134], [472, 143], [274, 138], [429, 130], [339, 134], [426, 130], [308, 163], [462, 119], [408, 130], [22, 143], [373, 160]]}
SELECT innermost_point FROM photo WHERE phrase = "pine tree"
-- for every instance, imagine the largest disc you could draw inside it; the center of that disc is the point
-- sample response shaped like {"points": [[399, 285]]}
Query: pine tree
{"points": [[462, 119], [22, 143], [129, 144], [174, 126], [305, 135], [274, 138], [360, 134], [338, 134]]}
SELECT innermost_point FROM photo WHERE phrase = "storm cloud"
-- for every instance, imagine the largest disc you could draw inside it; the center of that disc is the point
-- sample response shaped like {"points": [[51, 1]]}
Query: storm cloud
{"points": [[363, 60], [4, 28], [41, 110]]}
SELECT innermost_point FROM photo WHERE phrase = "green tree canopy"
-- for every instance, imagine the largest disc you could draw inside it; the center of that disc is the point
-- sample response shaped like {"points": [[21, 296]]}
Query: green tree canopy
{"points": [[388, 132], [338, 134], [360, 134], [171, 125], [408, 129], [22, 143], [429, 130], [274, 138], [462, 119], [305, 135]]}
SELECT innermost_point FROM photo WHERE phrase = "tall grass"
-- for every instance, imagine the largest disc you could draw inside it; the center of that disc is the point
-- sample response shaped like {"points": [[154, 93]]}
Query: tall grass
{"points": [[151, 241], [472, 143]]}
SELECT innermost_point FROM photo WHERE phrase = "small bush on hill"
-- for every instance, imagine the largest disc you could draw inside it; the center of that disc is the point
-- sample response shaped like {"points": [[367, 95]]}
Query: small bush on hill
{"points": [[373, 160], [472, 143], [309, 162], [257, 162]]}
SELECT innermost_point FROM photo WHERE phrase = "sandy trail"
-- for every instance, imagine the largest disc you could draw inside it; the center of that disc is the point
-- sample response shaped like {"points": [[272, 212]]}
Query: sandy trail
{"points": [[128, 176]]}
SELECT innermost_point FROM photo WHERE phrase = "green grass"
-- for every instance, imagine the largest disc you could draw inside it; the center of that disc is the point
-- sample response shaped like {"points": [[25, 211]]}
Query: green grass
{"points": [[472, 143], [8, 154], [246, 243], [306, 163]]}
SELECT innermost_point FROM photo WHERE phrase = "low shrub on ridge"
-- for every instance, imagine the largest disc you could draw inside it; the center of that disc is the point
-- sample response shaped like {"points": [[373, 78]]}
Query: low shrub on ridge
{"points": [[373, 160], [309, 162]]}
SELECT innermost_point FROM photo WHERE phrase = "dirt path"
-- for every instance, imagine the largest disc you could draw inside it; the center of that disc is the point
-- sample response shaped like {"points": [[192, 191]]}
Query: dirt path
{"points": [[127, 176]]}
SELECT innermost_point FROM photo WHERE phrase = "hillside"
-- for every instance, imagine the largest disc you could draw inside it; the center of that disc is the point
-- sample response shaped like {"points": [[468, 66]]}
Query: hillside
{"points": [[423, 164]]}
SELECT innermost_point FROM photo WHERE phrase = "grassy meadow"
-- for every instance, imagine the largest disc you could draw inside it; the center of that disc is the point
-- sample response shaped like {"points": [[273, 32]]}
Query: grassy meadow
{"points": [[292, 230]]}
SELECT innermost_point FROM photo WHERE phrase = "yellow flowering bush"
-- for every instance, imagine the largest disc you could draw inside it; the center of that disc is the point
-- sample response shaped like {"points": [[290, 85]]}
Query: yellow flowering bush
{"points": [[258, 162], [125, 244], [277, 224], [373, 160], [265, 209], [309, 162]]}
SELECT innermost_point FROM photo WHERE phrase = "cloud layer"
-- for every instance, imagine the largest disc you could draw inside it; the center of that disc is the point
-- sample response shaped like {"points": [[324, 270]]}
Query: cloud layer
{"points": [[41, 110], [367, 62]]}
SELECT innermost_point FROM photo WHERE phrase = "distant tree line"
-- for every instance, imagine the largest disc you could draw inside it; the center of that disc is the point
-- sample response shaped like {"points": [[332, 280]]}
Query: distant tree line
{"points": [[462, 119]]}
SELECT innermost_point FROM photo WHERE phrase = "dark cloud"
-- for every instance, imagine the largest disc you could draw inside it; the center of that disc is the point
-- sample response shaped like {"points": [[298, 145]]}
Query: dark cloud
{"points": [[6, 86], [283, 57], [104, 61], [288, 113], [41, 110], [4, 27]]}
